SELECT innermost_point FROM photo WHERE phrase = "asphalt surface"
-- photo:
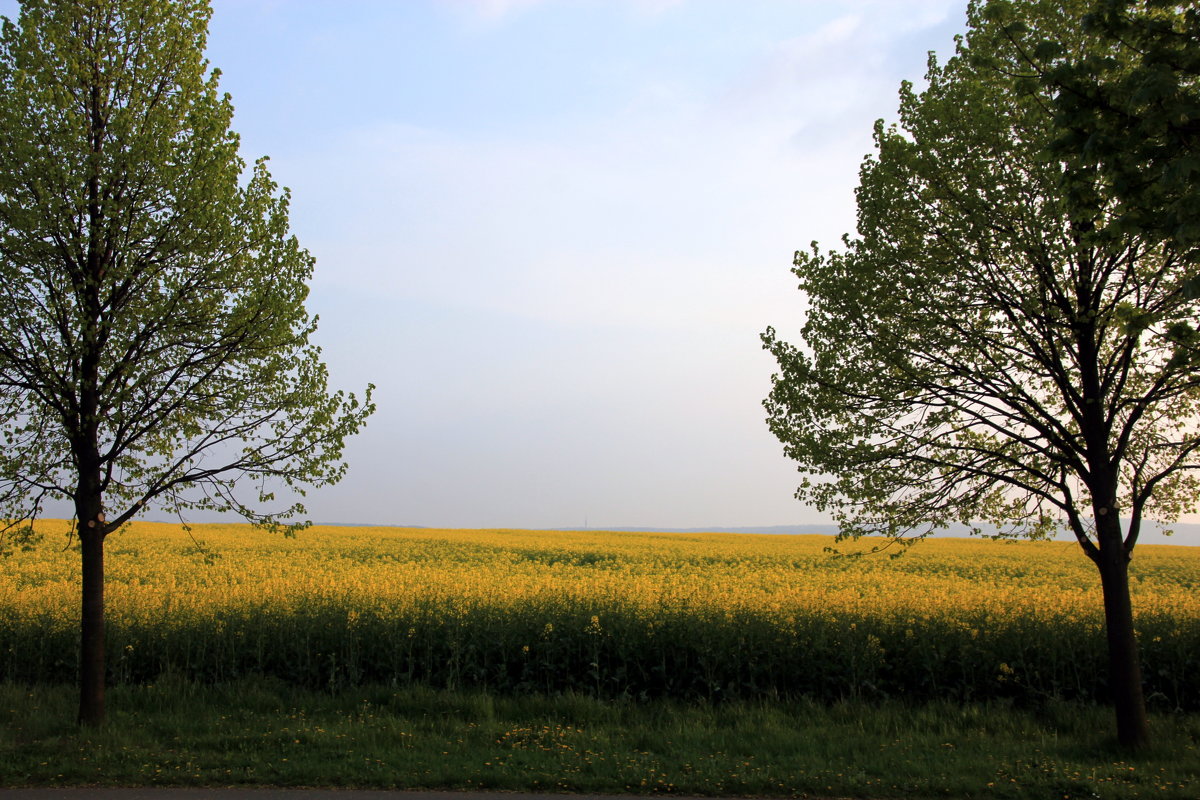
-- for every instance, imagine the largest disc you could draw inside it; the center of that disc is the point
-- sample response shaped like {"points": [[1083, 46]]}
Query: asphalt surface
{"points": [[284, 794]]}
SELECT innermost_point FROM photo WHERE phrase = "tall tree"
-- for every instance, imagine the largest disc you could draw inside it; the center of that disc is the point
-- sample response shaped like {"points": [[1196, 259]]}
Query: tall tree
{"points": [[154, 345], [997, 345], [1130, 106]]}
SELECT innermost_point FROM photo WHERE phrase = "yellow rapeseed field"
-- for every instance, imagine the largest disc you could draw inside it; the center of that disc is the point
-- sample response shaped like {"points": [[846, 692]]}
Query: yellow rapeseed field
{"points": [[709, 615]]}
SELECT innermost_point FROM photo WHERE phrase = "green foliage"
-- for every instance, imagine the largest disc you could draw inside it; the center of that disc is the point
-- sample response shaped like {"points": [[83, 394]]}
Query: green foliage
{"points": [[16, 536], [1135, 110], [154, 345], [1129, 106], [999, 343]]}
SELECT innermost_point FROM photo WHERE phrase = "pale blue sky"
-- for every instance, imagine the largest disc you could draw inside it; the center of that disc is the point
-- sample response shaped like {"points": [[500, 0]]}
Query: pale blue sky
{"points": [[551, 232]]}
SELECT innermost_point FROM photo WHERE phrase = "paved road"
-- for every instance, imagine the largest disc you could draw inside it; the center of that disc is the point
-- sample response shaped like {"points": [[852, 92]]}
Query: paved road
{"points": [[252, 793], [281, 794]]}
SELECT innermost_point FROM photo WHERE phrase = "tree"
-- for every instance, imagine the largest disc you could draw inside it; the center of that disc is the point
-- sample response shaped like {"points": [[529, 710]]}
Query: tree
{"points": [[154, 345], [1130, 107], [997, 345]]}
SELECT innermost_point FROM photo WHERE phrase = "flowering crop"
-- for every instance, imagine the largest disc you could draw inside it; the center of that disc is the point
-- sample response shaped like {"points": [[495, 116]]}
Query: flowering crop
{"points": [[637, 614]]}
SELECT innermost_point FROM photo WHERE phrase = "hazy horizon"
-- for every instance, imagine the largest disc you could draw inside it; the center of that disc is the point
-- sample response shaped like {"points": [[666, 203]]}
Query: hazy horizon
{"points": [[1183, 534]]}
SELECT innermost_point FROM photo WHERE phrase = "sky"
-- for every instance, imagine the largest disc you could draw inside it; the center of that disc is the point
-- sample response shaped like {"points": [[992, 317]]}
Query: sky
{"points": [[551, 232]]}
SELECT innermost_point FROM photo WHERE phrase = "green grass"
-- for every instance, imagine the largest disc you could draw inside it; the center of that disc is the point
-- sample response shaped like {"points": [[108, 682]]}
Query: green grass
{"points": [[264, 732]]}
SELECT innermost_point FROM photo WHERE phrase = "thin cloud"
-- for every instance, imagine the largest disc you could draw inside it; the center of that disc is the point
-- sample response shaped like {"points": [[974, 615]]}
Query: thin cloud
{"points": [[492, 10]]}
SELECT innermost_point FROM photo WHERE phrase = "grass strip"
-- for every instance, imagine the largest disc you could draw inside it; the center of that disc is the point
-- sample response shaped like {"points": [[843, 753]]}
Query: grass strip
{"points": [[263, 732]]}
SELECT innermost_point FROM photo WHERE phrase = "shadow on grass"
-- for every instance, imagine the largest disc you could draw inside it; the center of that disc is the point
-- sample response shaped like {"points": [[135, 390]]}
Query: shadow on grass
{"points": [[260, 731]]}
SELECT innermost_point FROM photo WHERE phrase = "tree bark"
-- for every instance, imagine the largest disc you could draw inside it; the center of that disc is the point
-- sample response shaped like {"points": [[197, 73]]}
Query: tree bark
{"points": [[89, 511], [91, 651], [1124, 664]]}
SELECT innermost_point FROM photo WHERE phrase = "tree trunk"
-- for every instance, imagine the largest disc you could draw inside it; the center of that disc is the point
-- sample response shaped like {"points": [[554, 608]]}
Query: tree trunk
{"points": [[1124, 666], [91, 651], [91, 621]]}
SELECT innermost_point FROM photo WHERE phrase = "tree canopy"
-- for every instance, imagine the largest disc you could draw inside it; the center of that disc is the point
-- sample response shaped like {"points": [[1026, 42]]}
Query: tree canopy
{"points": [[154, 343], [1130, 107], [998, 344]]}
